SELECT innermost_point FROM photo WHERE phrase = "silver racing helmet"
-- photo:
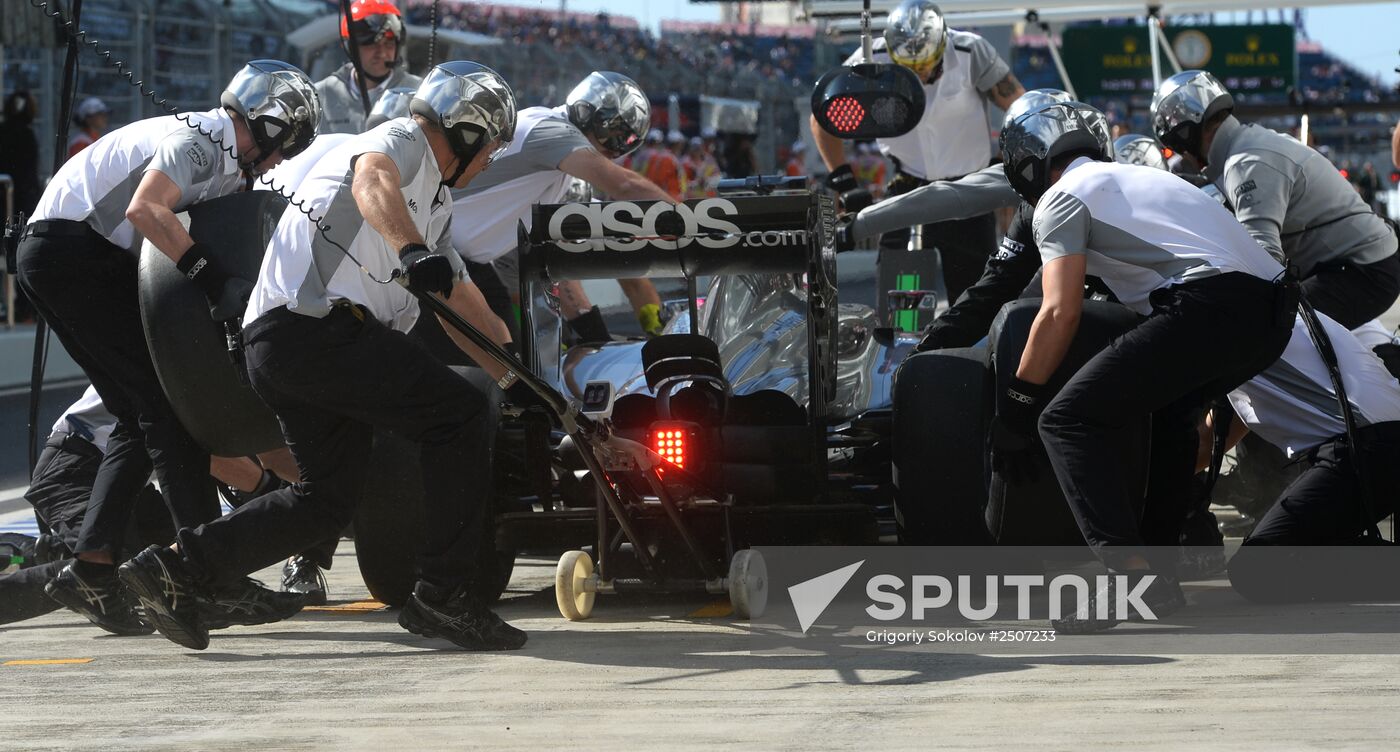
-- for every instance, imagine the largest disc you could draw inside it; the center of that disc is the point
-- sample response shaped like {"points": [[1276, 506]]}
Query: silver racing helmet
{"points": [[279, 104], [1137, 149], [392, 104], [1183, 104], [472, 104], [1031, 143], [1034, 100], [916, 36], [611, 108]]}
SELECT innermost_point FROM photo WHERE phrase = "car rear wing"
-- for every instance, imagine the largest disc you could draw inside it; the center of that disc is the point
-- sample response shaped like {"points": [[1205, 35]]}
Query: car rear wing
{"points": [[784, 233]]}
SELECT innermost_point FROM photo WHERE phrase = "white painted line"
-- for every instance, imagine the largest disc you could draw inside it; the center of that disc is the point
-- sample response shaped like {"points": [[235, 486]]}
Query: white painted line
{"points": [[10, 494]]}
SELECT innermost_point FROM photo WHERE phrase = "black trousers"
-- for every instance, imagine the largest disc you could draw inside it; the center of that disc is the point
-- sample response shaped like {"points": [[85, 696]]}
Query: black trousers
{"points": [[1203, 339], [1353, 294], [59, 490], [963, 244], [332, 381], [1322, 507], [85, 288]]}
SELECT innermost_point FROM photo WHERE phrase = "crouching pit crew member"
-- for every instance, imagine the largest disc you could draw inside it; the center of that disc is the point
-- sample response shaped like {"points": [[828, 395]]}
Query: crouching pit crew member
{"points": [[59, 491], [77, 263], [327, 351], [1345, 490], [1214, 318], [1291, 199]]}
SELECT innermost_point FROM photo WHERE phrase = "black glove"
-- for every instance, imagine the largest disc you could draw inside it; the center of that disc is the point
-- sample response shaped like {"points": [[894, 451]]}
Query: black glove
{"points": [[853, 197], [522, 396], [427, 271], [227, 295], [1013, 435]]}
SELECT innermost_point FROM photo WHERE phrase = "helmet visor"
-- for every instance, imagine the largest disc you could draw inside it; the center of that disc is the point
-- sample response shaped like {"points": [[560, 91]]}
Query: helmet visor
{"points": [[376, 27]]}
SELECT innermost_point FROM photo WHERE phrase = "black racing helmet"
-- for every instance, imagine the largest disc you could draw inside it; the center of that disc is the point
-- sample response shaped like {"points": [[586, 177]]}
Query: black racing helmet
{"points": [[1183, 104], [471, 103], [613, 109], [278, 102], [1031, 143], [1034, 100]]}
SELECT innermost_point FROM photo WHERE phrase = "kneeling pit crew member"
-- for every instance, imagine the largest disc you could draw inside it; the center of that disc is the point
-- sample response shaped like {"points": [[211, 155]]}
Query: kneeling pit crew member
{"points": [[1292, 200], [1294, 406], [59, 491], [327, 351], [78, 261], [1214, 318]]}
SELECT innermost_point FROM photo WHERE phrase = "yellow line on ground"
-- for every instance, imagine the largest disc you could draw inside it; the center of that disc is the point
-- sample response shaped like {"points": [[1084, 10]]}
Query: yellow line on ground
{"points": [[48, 662], [716, 610], [358, 607]]}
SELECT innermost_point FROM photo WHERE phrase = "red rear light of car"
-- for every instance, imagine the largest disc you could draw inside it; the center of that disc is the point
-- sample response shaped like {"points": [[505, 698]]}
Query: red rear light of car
{"points": [[676, 442]]}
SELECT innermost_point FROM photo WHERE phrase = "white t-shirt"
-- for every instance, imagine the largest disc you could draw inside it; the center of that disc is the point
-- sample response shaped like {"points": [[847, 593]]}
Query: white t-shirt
{"points": [[285, 177], [97, 184], [1142, 229], [88, 419], [954, 136], [305, 271], [527, 173], [1292, 404]]}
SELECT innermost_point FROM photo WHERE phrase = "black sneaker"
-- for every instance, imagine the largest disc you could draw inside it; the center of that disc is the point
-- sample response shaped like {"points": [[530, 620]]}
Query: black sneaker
{"points": [[460, 620], [249, 603], [1162, 597], [301, 576], [101, 599], [174, 602]]}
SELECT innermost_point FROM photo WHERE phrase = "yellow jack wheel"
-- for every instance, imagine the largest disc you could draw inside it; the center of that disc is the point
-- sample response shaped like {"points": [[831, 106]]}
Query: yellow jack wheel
{"points": [[574, 590], [748, 584]]}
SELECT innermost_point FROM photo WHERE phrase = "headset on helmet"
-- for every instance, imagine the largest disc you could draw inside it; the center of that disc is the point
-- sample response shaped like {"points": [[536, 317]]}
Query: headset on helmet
{"points": [[392, 104], [472, 104], [613, 109], [279, 104], [372, 21], [1034, 100], [1183, 104], [916, 36], [1137, 149], [1031, 143]]}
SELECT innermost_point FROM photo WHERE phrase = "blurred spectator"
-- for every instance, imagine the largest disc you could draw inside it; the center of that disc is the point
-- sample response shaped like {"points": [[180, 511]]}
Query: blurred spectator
{"points": [[738, 159], [797, 160], [660, 165], [91, 119], [701, 171], [1368, 183], [19, 150], [1395, 147], [870, 167]]}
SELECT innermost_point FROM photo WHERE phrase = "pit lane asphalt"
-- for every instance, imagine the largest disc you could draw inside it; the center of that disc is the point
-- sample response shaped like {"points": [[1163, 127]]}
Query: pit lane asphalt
{"points": [[651, 674]]}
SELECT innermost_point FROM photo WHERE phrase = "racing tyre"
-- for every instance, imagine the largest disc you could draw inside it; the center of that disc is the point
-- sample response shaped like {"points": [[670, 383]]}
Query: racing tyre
{"points": [[1036, 513], [942, 402], [188, 348], [390, 520]]}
